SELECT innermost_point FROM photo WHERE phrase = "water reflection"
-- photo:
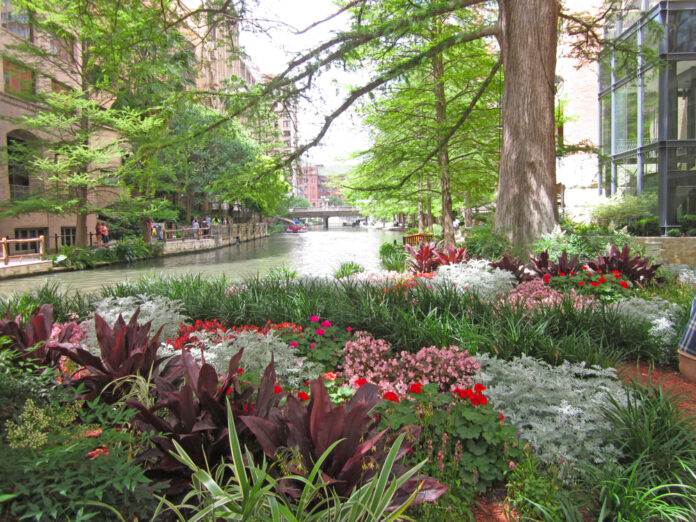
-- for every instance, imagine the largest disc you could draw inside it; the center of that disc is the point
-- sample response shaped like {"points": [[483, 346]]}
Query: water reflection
{"points": [[317, 252]]}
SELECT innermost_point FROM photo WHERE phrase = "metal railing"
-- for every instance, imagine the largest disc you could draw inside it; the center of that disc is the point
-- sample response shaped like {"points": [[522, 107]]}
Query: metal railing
{"points": [[181, 234], [416, 239], [5, 245]]}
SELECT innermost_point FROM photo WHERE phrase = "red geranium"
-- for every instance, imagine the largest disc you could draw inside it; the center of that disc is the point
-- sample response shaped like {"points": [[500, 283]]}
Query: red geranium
{"points": [[303, 396], [277, 389], [391, 396], [415, 388], [361, 381]]}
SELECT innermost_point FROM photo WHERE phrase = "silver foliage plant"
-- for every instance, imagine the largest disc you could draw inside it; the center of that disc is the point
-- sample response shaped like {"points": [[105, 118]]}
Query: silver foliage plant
{"points": [[476, 276], [557, 409], [292, 369], [162, 311], [662, 315]]}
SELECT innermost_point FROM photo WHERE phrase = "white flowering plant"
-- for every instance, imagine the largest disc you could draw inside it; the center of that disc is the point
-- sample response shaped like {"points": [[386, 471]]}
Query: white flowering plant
{"points": [[476, 276]]}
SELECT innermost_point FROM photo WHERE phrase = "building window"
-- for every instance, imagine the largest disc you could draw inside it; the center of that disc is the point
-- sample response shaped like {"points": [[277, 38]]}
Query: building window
{"points": [[286, 124], [18, 79], [59, 87], [17, 22], [286, 133], [67, 235], [25, 233], [16, 168]]}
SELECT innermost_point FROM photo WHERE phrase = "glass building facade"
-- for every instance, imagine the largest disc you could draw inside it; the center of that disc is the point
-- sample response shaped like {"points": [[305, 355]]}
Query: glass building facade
{"points": [[647, 103]]}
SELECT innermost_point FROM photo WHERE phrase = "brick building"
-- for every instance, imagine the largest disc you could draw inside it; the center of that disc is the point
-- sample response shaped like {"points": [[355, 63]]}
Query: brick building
{"points": [[315, 187]]}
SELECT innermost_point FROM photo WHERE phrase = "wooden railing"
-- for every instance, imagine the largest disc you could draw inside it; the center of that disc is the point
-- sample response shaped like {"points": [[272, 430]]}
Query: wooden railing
{"points": [[416, 239], [5, 245], [180, 234]]}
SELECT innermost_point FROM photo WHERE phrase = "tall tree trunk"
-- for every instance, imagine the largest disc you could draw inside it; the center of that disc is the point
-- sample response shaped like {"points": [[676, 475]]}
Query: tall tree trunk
{"points": [[421, 217], [189, 204], [443, 156], [468, 213], [527, 180], [430, 209], [81, 232]]}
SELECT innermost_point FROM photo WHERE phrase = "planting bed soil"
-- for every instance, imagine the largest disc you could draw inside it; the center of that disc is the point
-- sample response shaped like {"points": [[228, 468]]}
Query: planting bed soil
{"points": [[669, 378]]}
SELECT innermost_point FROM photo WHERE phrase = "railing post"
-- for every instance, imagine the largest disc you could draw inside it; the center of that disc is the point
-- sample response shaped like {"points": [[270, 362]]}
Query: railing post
{"points": [[55, 242], [41, 247], [5, 253], [90, 240]]}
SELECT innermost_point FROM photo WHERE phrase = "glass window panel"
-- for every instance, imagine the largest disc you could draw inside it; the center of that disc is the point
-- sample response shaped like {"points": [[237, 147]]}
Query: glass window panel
{"points": [[627, 56], [632, 10], [650, 174], [652, 31], [682, 100], [14, 20], [681, 183], [650, 105], [681, 30], [626, 117], [605, 138], [605, 71], [18, 79], [627, 176], [605, 172]]}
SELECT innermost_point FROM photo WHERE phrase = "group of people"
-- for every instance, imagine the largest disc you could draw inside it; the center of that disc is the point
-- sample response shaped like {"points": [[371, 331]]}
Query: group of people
{"points": [[102, 232]]}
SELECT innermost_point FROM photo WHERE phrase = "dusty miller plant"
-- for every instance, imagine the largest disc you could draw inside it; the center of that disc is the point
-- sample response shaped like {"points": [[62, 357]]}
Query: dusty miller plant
{"points": [[291, 369], [557, 409], [662, 316], [478, 277], [162, 311]]}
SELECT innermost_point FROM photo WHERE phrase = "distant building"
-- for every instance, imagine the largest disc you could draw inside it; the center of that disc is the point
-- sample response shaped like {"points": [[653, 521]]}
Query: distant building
{"points": [[648, 108], [315, 187]]}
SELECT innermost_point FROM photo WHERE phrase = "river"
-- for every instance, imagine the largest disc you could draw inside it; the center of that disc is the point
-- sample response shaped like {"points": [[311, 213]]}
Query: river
{"points": [[317, 252]]}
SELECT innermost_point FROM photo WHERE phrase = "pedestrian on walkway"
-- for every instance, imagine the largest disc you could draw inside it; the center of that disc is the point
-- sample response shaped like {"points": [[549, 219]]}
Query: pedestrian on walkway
{"points": [[687, 347]]}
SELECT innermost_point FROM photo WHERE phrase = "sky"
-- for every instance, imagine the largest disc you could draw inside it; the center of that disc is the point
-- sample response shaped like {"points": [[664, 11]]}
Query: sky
{"points": [[271, 52]]}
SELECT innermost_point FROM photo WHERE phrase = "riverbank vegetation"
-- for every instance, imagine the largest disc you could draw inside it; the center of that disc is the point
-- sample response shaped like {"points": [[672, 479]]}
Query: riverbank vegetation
{"points": [[302, 376]]}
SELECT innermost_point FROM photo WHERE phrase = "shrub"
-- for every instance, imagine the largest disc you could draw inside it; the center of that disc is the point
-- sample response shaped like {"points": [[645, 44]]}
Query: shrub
{"points": [[662, 316], [64, 454], [535, 293], [558, 410], [625, 209], [649, 226], [219, 345], [160, 312], [392, 257], [484, 242], [476, 276], [470, 447], [424, 259], [637, 269], [347, 268], [372, 359]]}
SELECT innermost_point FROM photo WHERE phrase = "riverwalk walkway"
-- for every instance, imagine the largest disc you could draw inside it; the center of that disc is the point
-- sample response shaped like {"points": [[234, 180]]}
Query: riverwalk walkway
{"points": [[18, 266]]}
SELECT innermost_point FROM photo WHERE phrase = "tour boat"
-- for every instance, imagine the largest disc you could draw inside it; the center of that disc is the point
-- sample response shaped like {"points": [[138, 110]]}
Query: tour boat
{"points": [[296, 228]]}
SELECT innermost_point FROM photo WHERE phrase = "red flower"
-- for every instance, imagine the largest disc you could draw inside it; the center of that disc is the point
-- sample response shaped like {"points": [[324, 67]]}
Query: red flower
{"points": [[361, 381], [277, 389], [595, 284], [561, 274], [617, 275], [303, 396], [547, 278], [572, 273], [478, 387], [481, 399], [330, 376], [602, 280], [415, 388], [319, 331], [95, 453], [240, 371], [326, 323], [314, 318], [581, 283], [501, 416], [349, 329], [623, 283], [391, 396], [229, 391]]}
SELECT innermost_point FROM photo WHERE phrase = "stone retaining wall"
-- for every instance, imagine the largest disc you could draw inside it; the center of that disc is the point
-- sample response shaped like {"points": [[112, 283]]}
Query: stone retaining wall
{"points": [[680, 250], [220, 235]]}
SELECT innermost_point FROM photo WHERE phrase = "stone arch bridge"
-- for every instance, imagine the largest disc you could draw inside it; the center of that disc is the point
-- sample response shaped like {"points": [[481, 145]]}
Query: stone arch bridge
{"points": [[324, 213]]}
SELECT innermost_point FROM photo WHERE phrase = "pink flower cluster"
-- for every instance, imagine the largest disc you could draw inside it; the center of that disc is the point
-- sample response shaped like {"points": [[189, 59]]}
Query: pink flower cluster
{"points": [[532, 294], [373, 360]]}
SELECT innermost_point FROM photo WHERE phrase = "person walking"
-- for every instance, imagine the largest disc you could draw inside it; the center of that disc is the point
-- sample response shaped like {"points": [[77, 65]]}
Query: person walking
{"points": [[98, 232], [105, 234], [195, 226]]}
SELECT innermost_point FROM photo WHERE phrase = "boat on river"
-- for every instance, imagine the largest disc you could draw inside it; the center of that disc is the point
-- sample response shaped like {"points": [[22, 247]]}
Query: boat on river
{"points": [[295, 229]]}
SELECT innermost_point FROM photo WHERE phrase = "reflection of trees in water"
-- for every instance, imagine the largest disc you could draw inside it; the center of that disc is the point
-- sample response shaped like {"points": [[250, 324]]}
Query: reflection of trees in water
{"points": [[314, 253]]}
